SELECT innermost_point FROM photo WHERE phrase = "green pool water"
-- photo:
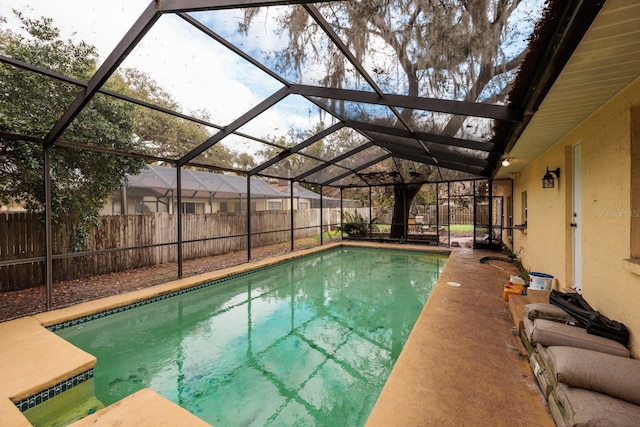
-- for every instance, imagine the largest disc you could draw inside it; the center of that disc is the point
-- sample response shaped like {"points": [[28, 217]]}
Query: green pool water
{"points": [[307, 342]]}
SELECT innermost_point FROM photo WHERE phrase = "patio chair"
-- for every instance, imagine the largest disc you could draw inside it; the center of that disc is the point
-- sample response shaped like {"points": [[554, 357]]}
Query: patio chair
{"points": [[411, 222]]}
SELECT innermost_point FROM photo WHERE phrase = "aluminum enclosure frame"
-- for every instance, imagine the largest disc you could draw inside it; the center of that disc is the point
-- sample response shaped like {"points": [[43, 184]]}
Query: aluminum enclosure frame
{"points": [[572, 22]]}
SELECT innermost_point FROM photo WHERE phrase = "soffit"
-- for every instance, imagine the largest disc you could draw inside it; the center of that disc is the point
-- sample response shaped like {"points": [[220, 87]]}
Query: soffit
{"points": [[606, 61]]}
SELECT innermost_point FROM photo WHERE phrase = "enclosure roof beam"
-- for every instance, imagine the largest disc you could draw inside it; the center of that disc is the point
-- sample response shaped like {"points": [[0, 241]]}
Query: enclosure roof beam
{"points": [[356, 170], [20, 138], [107, 150], [84, 147], [202, 5], [337, 41], [235, 125], [395, 163], [209, 32], [460, 167], [61, 77], [462, 108], [144, 23], [289, 151], [333, 161], [424, 136], [212, 168], [40, 70], [437, 154], [206, 30]]}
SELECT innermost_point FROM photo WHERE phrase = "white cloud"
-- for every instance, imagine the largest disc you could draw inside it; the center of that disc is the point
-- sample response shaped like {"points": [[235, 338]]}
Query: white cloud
{"points": [[100, 23], [196, 70]]}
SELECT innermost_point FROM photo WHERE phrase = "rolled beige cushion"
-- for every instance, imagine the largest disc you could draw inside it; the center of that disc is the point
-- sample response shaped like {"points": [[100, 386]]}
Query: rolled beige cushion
{"points": [[548, 311], [558, 413], [543, 375], [591, 370], [548, 333], [579, 407]]}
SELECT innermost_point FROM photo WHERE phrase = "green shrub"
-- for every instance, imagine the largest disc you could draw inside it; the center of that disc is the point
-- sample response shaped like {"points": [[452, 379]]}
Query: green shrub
{"points": [[355, 224]]}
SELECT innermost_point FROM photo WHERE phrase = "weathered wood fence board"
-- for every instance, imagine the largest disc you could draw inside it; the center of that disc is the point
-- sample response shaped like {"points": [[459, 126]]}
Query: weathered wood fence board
{"points": [[152, 238], [454, 214]]}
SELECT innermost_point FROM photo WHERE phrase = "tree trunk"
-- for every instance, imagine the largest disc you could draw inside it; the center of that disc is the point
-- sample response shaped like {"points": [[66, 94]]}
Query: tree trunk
{"points": [[403, 196]]}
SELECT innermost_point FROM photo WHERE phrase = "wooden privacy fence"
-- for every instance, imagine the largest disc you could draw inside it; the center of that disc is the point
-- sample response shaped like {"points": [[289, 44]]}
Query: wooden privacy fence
{"points": [[449, 214], [122, 242], [454, 214]]}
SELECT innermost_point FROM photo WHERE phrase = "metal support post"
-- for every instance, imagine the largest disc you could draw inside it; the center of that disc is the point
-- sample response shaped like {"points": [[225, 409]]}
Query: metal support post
{"points": [[341, 216], [248, 217], [180, 253], [47, 228], [321, 225], [291, 201]]}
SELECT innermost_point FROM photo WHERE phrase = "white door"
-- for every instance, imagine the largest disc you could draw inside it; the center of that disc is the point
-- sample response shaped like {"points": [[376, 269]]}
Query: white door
{"points": [[576, 220]]}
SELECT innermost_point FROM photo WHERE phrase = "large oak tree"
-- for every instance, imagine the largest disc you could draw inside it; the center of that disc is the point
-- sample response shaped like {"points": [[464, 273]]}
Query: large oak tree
{"points": [[452, 49], [31, 103]]}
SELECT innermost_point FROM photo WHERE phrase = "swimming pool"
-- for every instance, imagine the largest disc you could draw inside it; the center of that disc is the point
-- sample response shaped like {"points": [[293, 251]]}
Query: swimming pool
{"points": [[306, 342]]}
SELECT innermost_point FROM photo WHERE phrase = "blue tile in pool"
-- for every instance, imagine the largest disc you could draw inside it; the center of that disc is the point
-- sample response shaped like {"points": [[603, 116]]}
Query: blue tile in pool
{"points": [[53, 391], [83, 319]]}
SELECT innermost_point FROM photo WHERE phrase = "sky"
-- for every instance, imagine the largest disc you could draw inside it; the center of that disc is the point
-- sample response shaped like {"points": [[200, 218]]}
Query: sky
{"points": [[200, 73], [197, 71]]}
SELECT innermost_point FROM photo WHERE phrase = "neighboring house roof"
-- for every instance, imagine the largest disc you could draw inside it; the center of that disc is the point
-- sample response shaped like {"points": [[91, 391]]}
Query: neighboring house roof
{"points": [[298, 191], [162, 181]]}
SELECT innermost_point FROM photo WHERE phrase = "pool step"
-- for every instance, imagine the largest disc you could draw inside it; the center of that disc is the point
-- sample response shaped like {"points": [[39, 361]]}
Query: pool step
{"points": [[65, 408], [144, 408]]}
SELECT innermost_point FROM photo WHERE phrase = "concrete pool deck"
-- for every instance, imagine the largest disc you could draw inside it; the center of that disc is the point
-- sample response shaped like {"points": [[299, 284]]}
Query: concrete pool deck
{"points": [[463, 363]]}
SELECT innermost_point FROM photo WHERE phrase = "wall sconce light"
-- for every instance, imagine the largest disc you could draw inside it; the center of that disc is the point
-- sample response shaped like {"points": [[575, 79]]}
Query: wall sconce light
{"points": [[548, 179], [506, 162]]}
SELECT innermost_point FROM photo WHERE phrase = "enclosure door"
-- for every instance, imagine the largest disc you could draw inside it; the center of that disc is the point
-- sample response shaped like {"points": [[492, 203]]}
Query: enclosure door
{"points": [[488, 212], [497, 224], [576, 223]]}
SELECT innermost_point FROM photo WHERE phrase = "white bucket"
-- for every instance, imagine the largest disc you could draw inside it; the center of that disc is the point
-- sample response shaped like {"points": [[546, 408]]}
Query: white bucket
{"points": [[540, 281]]}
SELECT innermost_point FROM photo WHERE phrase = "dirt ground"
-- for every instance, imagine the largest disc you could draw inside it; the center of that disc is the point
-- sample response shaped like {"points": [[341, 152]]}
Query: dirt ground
{"points": [[20, 303]]}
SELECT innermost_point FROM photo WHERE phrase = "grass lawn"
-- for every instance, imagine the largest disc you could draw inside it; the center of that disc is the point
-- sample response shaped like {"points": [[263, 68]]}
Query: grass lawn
{"points": [[466, 228]]}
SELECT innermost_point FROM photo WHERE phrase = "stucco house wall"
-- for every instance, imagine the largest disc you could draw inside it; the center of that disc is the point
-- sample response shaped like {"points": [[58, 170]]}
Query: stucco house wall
{"points": [[609, 282]]}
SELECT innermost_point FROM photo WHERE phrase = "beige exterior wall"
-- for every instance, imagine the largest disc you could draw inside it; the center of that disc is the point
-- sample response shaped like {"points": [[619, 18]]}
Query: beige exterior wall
{"points": [[607, 211], [541, 245]]}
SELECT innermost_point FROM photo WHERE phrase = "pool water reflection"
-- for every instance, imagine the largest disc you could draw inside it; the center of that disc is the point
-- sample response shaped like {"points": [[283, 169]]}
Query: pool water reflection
{"points": [[307, 342]]}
